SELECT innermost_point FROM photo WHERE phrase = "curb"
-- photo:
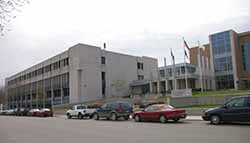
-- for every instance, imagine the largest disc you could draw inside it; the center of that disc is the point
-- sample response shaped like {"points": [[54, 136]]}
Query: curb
{"points": [[193, 118]]}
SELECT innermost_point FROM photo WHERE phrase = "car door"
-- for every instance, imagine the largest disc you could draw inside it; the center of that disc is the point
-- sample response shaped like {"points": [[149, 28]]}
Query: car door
{"points": [[147, 114], [247, 109], [235, 110], [104, 110]]}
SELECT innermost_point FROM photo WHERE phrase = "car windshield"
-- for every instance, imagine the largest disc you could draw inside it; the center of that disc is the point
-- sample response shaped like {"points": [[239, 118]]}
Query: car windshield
{"points": [[80, 107], [45, 109], [158, 107], [125, 105]]}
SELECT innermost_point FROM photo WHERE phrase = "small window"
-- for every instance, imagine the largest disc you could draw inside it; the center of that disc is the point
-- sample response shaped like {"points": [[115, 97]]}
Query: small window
{"points": [[248, 102], [140, 77], [104, 106], [140, 66], [81, 107], [103, 60], [235, 103]]}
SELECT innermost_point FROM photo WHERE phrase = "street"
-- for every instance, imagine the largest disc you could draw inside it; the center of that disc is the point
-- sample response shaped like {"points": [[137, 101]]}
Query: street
{"points": [[61, 130]]}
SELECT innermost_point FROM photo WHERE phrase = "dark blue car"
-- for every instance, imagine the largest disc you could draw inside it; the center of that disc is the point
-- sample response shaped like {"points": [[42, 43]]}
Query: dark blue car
{"points": [[113, 111], [235, 110]]}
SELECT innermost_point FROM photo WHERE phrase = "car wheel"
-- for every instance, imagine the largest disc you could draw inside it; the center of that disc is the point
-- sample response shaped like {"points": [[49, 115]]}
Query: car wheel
{"points": [[95, 116], [163, 119], [80, 116], [137, 118], [69, 116], [126, 117], [176, 120], [113, 116], [215, 119]]}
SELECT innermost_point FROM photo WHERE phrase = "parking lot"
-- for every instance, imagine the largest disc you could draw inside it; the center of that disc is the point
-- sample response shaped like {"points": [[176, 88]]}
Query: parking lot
{"points": [[61, 130]]}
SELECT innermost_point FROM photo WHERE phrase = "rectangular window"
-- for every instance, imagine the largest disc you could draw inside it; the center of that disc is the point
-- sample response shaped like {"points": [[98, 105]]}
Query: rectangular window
{"points": [[140, 77], [103, 83], [245, 48], [162, 73], [140, 66], [65, 62], [103, 60], [247, 84], [56, 65]]}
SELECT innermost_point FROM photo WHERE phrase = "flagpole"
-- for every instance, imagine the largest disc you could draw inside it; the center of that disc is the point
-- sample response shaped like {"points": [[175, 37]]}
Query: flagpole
{"points": [[200, 60], [173, 71], [186, 80]]}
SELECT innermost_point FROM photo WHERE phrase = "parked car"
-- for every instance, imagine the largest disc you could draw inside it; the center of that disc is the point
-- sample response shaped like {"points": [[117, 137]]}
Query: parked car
{"points": [[159, 112], [80, 111], [33, 112], [113, 111], [10, 112], [3, 112], [23, 111], [45, 112], [235, 110]]}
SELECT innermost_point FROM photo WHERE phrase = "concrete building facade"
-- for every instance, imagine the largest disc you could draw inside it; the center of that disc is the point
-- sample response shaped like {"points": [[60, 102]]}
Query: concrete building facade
{"points": [[199, 75], [82, 73], [230, 59]]}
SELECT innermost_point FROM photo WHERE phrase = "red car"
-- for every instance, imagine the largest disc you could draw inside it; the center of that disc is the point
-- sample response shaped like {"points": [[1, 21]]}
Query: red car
{"points": [[33, 112], [45, 112], [159, 112]]}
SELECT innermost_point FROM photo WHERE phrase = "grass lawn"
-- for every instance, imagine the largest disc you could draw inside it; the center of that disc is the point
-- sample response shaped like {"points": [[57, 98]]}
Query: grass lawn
{"points": [[221, 92]]}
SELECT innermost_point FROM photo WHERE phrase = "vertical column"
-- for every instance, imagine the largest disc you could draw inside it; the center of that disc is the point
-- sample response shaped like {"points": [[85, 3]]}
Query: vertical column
{"points": [[166, 85], [44, 93], [61, 83], [31, 98], [158, 86], [36, 93], [151, 87], [52, 92]]}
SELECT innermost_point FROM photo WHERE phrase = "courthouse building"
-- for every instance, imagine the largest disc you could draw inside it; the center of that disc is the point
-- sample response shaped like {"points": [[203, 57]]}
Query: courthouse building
{"points": [[82, 73]]}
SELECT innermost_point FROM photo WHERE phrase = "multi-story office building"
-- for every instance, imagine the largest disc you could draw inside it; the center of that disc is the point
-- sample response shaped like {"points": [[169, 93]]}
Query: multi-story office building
{"points": [[82, 73], [230, 58]]}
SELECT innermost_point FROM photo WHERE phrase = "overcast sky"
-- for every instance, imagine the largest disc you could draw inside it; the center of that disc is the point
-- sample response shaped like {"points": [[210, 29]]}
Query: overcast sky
{"points": [[45, 28]]}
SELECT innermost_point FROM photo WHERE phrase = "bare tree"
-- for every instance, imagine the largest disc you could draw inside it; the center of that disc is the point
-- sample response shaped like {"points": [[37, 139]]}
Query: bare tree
{"points": [[8, 10]]}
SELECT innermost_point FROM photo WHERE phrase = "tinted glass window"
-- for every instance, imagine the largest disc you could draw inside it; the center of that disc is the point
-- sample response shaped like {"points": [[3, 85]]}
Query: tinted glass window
{"points": [[104, 106], [150, 108], [125, 105], [238, 102], [80, 107], [248, 102], [115, 106]]}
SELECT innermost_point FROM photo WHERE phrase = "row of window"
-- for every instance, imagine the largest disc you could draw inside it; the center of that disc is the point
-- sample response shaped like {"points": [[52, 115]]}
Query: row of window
{"points": [[179, 70], [47, 96], [246, 56], [223, 64], [221, 43], [40, 88], [40, 71], [225, 82]]}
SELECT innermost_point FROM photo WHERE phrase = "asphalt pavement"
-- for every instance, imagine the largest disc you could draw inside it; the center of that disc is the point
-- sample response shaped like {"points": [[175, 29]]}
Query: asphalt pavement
{"points": [[61, 130]]}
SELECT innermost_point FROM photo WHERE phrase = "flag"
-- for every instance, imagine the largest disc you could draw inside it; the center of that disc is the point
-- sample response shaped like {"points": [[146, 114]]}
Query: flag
{"points": [[172, 55], [185, 44], [185, 53]]}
